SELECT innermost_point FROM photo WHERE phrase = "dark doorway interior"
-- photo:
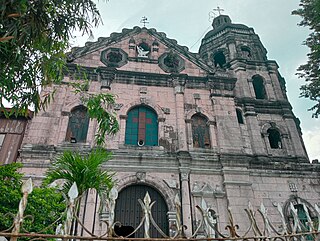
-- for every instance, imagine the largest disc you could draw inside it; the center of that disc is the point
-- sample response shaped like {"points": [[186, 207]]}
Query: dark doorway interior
{"points": [[128, 210]]}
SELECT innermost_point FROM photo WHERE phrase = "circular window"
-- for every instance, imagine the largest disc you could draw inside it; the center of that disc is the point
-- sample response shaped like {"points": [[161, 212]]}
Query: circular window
{"points": [[171, 62], [114, 57]]}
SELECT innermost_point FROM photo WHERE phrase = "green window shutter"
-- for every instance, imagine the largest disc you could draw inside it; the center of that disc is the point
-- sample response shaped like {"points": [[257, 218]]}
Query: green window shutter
{"points": [[142, 125]]}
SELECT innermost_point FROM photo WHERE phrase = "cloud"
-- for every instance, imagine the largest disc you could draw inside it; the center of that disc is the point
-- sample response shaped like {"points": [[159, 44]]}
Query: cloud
{"points": [[312, 139]]}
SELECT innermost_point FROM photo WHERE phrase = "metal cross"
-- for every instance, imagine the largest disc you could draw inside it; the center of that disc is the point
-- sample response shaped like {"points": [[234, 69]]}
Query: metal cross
{"points": [[219, 10], [144, 21]]}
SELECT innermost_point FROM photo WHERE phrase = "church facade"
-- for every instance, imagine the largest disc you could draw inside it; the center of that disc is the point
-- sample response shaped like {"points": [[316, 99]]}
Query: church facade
{"points": [[214, 125]]}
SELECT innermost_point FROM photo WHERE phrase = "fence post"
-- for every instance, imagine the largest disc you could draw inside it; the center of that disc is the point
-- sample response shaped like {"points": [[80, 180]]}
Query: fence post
{"points": [[26, 190]]}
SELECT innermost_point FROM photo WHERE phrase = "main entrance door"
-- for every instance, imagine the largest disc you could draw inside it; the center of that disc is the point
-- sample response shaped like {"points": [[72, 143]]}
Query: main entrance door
{"points": [[128, 210]]}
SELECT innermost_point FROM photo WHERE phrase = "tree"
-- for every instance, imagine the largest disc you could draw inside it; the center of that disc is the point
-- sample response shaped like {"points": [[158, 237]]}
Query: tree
{"points": [[41, 201], [310, 12], [34, 39], [85, 170]]}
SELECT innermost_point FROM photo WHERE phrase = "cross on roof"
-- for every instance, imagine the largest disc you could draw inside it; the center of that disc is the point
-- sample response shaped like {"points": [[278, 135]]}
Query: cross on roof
{"points": [[219, 10], [144, 21]]}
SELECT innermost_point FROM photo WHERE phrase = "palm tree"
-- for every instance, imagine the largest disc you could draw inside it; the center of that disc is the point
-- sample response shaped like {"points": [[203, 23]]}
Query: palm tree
{"points": [[85, 170]]}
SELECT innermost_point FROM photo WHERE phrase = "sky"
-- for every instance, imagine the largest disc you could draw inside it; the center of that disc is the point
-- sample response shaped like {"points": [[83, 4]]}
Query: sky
{"points": [[187, 21]]}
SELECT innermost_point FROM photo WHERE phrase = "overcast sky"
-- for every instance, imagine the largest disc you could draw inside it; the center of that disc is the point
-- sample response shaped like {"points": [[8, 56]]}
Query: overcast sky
{"points": [[187, 22]]}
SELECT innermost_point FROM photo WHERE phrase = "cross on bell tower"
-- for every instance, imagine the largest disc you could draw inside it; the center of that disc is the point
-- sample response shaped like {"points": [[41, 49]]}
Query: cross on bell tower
{"points": [[219, 10], [216, 12]]}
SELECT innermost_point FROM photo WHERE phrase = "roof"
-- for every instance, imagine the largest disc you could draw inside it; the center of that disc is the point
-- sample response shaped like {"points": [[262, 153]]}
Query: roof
{"points": [[102, 42]]}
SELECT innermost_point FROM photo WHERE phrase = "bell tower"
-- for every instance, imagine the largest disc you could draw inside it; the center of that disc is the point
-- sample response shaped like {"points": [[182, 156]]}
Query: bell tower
{"points": [[227, 42], [260, 93]]}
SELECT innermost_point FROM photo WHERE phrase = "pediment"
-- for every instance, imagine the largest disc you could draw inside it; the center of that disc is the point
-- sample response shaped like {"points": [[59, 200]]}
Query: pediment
{"points": [[141, 50]]}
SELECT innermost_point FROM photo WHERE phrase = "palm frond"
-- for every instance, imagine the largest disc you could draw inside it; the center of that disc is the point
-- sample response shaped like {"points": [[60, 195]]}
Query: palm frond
{"points": [[85, 170]]}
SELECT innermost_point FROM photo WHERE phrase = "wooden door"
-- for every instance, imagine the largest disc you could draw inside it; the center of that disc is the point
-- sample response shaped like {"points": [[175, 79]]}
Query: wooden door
{"points": [[128, 210]]}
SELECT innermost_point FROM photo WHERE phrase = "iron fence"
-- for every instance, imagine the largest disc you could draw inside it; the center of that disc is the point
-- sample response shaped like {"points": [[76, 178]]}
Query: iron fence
{"points": [[206, 227]]}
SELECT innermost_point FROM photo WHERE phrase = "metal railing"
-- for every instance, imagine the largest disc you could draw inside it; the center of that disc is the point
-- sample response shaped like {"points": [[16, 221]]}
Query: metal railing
{"points": [[260, 226]]}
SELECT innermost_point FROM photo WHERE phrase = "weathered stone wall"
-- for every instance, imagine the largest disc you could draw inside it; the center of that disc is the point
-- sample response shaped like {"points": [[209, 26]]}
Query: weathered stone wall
{"points": [[238, 168]]}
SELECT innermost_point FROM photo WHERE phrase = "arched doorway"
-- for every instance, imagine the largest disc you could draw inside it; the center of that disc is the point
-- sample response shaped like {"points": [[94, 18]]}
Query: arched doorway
{"points": [[128, 210]]}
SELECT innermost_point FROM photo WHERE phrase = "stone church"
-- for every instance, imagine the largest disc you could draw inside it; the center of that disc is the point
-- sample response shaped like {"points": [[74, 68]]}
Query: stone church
{"points": [[214, 125]]}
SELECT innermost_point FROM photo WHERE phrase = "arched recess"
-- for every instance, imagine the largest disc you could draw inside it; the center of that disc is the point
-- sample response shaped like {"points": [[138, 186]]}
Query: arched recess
{"points": [[141, 126], [298, 203], [200, 131], [122, 113], [155, 182], [276, 137], [259, 87], [78, 124], [245, 52], [129, 212], [210, 123], [219, 59]]}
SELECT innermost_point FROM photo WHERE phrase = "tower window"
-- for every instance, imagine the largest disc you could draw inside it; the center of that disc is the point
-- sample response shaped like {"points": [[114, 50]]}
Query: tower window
{"points": [[274, 138], [258, 87], [239, 116], [78, 125], [200, 131], [142, 127], [246, 53], [219, 59]]}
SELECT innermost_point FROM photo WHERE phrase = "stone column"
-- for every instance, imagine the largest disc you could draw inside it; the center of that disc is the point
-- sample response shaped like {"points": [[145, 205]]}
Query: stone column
{"points": [[185, 204], [276, 85], [254, 130], [189, 133], [161, 121], [213, 133], [122, 131], [184, 161], [178, 82]]}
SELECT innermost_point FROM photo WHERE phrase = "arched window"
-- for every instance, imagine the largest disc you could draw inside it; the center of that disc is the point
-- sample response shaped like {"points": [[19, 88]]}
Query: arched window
{"points": [[258, 87], [200, 131], [219, 59], [142, 127], [274, 138], [129, 213], [78, 125], [303, 209], [239, 116], [245, 52]]}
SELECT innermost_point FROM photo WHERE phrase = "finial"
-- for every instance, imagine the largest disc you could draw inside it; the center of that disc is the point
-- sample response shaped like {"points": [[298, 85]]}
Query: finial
{"points": [[144, 21], [219, 10]]}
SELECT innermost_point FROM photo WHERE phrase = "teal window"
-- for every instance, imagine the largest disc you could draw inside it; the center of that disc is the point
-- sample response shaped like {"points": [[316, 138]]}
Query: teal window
{"points": [[142, 127], [78, 125]]}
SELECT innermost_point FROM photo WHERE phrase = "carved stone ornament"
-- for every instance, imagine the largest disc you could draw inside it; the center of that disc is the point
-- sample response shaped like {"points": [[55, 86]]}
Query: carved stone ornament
{"points": [[143, 50], [117, 106], [141, 176], [184, 176]]}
